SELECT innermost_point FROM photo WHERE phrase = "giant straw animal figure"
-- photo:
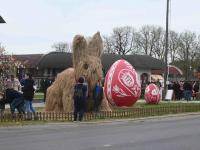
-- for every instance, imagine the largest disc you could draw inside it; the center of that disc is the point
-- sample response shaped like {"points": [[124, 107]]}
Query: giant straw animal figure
{"points": [[87, 63]]}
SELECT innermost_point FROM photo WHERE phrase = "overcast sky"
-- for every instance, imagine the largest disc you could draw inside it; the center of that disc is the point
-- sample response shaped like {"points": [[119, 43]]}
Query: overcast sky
{"points": [[33, 26]]}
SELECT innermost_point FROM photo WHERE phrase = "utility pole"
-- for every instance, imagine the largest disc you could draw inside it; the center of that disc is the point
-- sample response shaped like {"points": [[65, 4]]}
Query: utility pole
{"points": [[166, 50]]}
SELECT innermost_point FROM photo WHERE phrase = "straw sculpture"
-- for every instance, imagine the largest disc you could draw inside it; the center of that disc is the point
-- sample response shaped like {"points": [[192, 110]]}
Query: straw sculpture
{"points": [[87, 63]]}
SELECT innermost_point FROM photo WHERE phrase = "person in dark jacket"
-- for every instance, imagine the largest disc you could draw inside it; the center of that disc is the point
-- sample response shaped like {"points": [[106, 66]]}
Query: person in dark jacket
{"points": [[177, 91], [80, 97], [196, 86], [15, 99], [187, 90], [47, 83], [28, 93], [97, 96], [195, 89]]}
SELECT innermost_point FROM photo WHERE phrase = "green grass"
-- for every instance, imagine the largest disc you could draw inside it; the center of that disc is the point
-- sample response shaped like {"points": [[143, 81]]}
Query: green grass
{"points": [[38, 95], [144, 105], [40, 109], [161, 104]]}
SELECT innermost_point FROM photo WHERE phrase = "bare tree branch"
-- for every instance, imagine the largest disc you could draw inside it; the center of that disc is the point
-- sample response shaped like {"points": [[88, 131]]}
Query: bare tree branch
{"points": [[62, 47], [121, 41]]}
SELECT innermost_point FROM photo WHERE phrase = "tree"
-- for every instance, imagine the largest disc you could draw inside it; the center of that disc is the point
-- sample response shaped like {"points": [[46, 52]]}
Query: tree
{"points": [[188, 49], [184, 48], [108, 45], [148, 40], [62, 47], [158, 49], [196, 63], [7, 66], [174, 45], [121, 41]]}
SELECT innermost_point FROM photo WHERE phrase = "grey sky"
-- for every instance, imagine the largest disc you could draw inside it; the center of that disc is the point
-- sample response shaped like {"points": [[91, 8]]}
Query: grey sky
{"points": [[34, 25]]}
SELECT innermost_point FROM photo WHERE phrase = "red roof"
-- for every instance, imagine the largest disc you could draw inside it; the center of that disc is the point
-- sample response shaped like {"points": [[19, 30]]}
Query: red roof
{"points": [[173, 70]]}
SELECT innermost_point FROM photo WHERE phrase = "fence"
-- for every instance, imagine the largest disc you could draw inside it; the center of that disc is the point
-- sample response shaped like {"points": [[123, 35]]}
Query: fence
{"points": [[126, 113]]}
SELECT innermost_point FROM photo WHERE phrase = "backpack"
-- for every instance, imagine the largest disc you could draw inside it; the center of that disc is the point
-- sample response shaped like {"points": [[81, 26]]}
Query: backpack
{"points": [[98, 92], [78, 92]]}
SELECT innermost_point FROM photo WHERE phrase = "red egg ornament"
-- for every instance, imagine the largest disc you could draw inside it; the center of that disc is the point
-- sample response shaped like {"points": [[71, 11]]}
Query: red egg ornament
{"points": [[122, 87], [152, 94]]}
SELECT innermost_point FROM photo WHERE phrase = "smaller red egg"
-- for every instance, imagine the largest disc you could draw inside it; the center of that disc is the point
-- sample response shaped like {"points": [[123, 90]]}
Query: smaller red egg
{"points": [[152, 94]]}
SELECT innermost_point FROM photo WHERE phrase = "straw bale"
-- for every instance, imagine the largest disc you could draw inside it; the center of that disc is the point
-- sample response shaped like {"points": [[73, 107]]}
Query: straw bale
{"points": [[79, 49], [60, 93], [95, 45], [87, 63], [105, 106]]}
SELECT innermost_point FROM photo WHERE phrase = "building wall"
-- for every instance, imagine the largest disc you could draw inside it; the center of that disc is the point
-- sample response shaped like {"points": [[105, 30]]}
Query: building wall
{"points": [[49, 72], [141, 71]]}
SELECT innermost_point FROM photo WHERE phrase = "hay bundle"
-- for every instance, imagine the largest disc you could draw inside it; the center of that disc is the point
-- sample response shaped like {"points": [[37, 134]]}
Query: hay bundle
{"points": [[60, 93], [79, 49], [87, 63], [95, 46]]}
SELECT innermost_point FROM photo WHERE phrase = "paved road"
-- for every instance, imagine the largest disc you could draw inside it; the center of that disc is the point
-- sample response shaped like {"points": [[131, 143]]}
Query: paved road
{"points": [[179, 133]]}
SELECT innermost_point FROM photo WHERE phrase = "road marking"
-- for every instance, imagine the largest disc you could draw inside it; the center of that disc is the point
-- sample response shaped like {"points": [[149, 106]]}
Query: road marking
{"points": [[107, 145]]}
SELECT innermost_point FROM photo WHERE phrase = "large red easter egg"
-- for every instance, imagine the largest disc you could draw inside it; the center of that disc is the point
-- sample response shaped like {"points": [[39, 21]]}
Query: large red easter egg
{"points": [[152, 94], [122, 87]]}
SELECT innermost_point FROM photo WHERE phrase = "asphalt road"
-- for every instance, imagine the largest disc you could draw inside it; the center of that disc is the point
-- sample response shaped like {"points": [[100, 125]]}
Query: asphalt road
{"points": [[179, 133]]}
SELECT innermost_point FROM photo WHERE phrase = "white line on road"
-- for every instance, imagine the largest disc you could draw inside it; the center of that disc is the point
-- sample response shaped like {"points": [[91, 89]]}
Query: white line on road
{"points": [[107, 145]]}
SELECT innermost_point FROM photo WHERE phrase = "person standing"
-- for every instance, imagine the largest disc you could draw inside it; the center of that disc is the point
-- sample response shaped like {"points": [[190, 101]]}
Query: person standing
{"points": [[28, 94], [187, 90], [80, 97], [13, 83], [159, 85], [195, 88], [177, 92], [97, 96], [47, 83], [181, 83]]}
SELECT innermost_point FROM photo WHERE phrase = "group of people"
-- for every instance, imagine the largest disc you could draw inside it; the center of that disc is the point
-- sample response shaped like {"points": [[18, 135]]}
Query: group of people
{"points": [[81, 95], [19, 94], [184, 89]]}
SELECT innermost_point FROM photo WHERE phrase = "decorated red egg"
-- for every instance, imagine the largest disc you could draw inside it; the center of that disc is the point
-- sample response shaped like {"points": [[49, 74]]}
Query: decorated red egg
{"points": [[152, 94], [122, 87]]}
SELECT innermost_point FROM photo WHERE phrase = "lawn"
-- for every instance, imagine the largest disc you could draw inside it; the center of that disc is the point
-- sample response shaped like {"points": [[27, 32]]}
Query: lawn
{"points": [[39, 96], [166, 104], [140, 104]]}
